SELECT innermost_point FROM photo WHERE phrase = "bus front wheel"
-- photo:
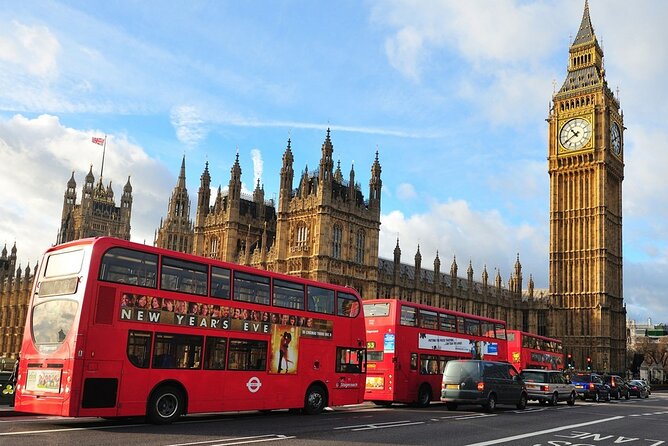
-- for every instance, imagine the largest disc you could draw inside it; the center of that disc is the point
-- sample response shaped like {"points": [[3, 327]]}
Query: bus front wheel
{"points": [[315, 400], [165, 405]]}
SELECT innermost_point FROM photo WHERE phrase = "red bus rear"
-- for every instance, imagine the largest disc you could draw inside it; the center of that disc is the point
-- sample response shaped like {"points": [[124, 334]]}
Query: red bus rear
{"points": [[409, 344], [532, 351], [121, 329]]}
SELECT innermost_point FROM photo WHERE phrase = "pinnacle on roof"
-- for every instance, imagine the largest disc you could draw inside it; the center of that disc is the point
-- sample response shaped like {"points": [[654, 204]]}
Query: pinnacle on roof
{"points": [[586, 31]]}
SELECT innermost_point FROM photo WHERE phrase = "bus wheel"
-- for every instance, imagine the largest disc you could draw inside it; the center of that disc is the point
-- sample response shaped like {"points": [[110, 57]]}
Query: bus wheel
{"points": [[315, 400], [165, 405], [424, 396]]}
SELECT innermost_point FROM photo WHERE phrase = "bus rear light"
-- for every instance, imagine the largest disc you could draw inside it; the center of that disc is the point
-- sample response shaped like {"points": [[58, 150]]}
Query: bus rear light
{"points": [[481, 386]]}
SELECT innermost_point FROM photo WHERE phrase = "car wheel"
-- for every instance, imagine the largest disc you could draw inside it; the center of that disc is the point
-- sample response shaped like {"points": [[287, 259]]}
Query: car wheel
{"points": [[165, 405], [618, 394], [522, 404], [571, 399], [490, 405], [607, 397], [639, 395], [595, 397], [555, 399], [451, 406], [542, 402], [627, 396]]}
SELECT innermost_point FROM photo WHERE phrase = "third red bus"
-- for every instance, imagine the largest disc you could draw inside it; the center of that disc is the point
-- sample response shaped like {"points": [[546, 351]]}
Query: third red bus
{"points": [[532, 351]]}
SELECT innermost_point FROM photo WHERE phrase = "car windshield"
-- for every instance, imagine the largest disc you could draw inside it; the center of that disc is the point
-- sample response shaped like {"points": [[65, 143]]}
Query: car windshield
{"points": [[534, 377], [581, 377]]}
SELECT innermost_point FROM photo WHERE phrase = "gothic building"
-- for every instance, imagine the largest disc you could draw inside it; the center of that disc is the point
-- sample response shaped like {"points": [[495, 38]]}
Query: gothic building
{"points": [[324, 229], [586, 168], [97, 215], [15, 286], [176, 230]]}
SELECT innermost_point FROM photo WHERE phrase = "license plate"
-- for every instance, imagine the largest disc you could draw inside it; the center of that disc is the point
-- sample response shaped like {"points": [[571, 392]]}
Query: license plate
{"points": [[452, 386]]}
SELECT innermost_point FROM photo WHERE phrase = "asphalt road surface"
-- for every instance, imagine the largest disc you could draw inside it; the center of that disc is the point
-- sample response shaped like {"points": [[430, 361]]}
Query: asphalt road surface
{"points": [[636, 422]]}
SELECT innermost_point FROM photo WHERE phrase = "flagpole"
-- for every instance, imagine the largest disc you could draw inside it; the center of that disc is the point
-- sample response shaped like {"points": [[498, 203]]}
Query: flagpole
{"points": [[104, 148]]}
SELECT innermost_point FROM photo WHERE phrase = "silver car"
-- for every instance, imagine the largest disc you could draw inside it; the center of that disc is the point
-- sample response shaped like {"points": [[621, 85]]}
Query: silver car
{"points": [[548, 386]]}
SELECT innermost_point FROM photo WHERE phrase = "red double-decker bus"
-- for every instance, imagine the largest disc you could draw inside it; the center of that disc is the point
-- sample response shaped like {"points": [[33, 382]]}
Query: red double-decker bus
{"points": [[119, 329], [532, 351], [409, 344]]}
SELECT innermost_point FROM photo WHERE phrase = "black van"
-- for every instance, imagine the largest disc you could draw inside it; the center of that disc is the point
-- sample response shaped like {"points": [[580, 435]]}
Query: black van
{"points": [[487, 383]]}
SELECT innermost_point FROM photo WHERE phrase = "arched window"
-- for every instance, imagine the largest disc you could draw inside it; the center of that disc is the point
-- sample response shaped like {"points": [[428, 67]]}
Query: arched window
{"points": [[336, 242], [359, 247]]}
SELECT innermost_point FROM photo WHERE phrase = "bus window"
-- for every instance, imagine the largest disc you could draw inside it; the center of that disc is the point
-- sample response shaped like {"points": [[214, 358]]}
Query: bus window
{"points": [[347, 305], [472, 327], [251, 288], [428, 319], [448, 322], [487, 329], [288, 294], [174, 351], [460, 325], [214, 356], [64, 263], [186, 277], [320, 300], [408, 316], [220, 282], [376, 310], [246, 354], [139, 348], [51, 322], [122, 265], [350, 360]]}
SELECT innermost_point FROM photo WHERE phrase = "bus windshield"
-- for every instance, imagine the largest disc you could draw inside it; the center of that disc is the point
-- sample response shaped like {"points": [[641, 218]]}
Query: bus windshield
{"points": [[51, 321]]}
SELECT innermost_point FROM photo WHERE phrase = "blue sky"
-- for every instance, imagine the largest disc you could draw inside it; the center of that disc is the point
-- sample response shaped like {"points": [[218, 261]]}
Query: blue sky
{"points": [[453, 95]]}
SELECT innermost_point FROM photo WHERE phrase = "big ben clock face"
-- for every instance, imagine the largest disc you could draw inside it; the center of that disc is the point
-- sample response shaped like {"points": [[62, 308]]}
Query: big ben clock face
{"points": [[575, 134], [615, 139]]}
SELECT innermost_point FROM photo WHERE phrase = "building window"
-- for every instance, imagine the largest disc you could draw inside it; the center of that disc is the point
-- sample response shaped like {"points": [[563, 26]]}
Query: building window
{"points": [[213, 250], [302, 235], [336, 242], [359, 250]]}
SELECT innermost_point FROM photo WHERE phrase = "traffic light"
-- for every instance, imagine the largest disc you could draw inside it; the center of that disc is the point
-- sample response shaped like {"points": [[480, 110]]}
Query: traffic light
{"points": [[569, 361], [588, 363]]}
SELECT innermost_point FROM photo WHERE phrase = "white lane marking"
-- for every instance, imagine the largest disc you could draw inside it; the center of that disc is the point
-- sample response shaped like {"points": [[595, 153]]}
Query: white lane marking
{"points": [[372, 426], [546, 431], [69, 429], [385, 425], [369, 424], [240, 440]]}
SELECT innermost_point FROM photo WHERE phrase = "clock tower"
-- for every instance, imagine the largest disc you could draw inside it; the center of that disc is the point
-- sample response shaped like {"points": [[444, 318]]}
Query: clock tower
{"points": [[586, 168]]}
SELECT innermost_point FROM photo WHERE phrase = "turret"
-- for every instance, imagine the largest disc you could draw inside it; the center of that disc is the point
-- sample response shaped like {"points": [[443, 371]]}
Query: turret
{"points": [[326, 161], [375, 186], [287, 176], [203, 197]]}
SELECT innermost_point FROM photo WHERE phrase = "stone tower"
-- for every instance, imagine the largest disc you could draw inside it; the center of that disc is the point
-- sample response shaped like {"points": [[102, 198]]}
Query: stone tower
{"points": [[325, 230], [176, 231], [586, 168], [97, 215]]}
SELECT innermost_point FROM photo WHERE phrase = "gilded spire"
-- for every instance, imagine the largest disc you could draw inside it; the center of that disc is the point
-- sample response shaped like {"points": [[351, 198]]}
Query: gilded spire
{"points": [[586, 31]]}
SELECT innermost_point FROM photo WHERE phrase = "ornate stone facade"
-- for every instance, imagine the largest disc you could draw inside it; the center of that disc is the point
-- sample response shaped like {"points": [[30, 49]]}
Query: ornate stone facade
{"points": [[176, 231], [15, 288], [586, 168], [97, 215]]}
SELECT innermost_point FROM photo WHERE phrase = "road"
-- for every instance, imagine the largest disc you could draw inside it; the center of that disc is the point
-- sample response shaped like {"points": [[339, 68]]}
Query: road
{"points": [[636, 422]]}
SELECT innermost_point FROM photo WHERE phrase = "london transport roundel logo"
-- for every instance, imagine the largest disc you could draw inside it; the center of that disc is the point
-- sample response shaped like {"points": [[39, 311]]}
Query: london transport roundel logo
{"points": [[254, 384]]}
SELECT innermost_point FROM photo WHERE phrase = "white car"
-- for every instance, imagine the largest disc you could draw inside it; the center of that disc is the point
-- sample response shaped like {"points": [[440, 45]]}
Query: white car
{"points": [[548, 386]]}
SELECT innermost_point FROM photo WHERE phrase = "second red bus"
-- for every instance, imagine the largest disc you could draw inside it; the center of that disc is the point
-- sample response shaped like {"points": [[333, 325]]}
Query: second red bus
{"points": [[408, 345], [532, 351]]}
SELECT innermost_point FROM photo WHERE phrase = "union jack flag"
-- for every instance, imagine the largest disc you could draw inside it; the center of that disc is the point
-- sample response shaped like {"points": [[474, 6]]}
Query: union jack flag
{"points": [[98, 141]]}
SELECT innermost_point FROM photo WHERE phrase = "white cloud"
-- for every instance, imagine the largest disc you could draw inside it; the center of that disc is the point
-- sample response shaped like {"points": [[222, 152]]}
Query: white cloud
{"points": [[454, 229], [189, 125], [33, 49], [39, 156], [256, 155], [403, 51], [406, 191]]}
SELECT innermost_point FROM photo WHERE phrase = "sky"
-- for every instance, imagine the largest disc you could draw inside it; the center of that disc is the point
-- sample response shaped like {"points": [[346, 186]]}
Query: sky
{"points": [[452, 95]]}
